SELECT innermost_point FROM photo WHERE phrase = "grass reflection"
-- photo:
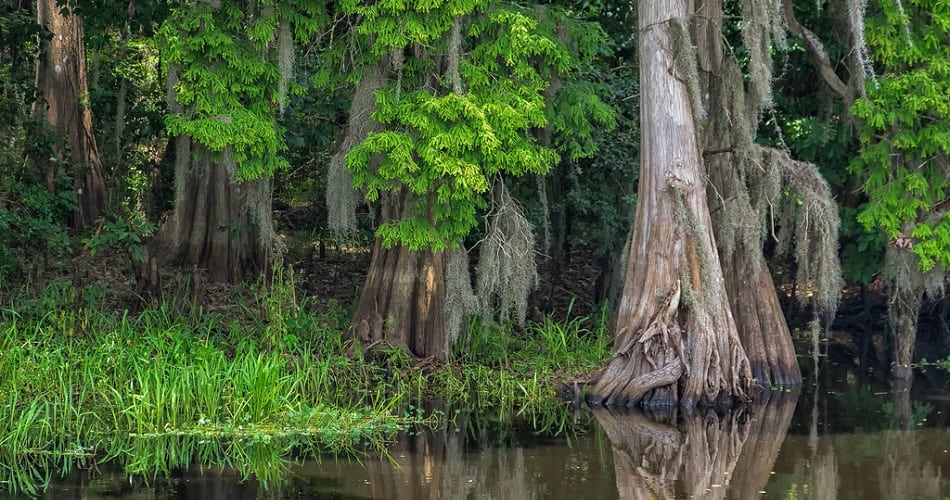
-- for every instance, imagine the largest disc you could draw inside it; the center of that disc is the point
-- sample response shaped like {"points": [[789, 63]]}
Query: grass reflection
{"points": [[151, 391]]}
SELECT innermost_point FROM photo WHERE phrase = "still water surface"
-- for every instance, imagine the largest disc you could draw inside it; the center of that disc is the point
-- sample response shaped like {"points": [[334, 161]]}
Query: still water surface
{"points": [[845, 439]]}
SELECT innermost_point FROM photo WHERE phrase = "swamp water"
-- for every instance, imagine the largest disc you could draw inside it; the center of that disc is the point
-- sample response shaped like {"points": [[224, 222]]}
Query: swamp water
{"points": [[841, 439]]}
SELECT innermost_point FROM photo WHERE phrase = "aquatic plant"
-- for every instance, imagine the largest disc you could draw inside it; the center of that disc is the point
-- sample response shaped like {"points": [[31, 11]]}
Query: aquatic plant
{"points": [[80, 381]]}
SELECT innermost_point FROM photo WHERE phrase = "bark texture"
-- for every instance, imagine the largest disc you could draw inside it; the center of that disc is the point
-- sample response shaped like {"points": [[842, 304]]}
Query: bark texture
{"points": [[217, 223], [674, 309], [62, 83], [403, 299], [727, 145], [903, 308]]}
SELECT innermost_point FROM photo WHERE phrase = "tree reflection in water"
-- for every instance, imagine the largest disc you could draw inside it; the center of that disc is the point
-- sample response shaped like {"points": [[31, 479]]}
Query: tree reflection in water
{"points": [[705, 454], [491, 461], [902, 473]]}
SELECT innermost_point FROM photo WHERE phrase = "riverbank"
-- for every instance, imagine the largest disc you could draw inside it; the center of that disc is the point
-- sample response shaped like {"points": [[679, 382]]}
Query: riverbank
{"points": [[80, 379]]}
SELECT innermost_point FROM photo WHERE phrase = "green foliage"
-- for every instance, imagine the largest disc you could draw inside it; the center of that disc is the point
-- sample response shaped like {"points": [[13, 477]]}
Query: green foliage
{"points": [[163, 389], [73, 379], [862, 249], [128, 111], [602, 188], [576, 345], [443, 144], [18, 48], [906, 127], [940, 364], [311, 122], [30, 213], [125, 234], [228, 77], [31, 216]]}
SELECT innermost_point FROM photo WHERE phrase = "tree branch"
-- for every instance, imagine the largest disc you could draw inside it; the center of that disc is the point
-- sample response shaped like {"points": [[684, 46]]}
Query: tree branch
{"points": [[817, 51]]}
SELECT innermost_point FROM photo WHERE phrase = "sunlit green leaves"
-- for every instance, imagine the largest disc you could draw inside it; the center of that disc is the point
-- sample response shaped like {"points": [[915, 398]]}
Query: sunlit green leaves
{"points": [[228, 77], [906, 134], [443, 145], [444, 149]]}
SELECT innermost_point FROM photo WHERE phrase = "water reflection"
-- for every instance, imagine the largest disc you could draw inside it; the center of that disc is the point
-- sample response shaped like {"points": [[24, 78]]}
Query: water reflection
{"points": [[702, 454], [851, 442], [475, 460], [891, 453]]}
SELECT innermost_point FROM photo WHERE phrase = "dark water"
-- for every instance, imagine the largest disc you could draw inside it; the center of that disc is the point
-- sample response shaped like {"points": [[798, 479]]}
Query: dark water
{"points": [[842, 439]]}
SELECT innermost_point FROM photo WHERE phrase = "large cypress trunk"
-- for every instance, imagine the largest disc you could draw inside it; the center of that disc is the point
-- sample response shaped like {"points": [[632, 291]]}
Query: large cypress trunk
{"points": [[761, 323], [676, 340], [217, 224], [727, 145], [61, 80], [906, 290], [403, 299]]}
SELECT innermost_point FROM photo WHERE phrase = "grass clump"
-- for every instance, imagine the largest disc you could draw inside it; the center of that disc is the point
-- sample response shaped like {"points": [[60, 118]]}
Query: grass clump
{"points": [[250, 387], [73, 381]]}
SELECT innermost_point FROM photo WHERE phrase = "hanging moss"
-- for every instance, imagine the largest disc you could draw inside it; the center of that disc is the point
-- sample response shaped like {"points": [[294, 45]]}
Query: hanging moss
{"points": [[730, 92], [861, 54], [704, 255], [684, 54], [506, 268], [342, 198], [813, 215], [777, 24], [454, 55], [285, 62], [460, 299], [756, 36], [806, 214]]}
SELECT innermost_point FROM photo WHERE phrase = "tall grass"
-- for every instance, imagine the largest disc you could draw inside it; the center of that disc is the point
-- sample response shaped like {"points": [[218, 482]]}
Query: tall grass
{"points": [[177, 383], [62, 388]]}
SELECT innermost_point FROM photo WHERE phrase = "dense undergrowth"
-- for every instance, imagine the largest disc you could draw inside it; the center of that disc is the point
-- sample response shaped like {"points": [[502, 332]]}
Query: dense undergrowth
{"points": [[247, 385]]}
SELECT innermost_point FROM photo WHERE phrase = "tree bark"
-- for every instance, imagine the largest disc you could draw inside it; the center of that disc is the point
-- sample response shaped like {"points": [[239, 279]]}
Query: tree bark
{"points": [[674, 307], [761, 323], [61, 81], [903, 308], [403, 298], [754, 302], [217, 224]]}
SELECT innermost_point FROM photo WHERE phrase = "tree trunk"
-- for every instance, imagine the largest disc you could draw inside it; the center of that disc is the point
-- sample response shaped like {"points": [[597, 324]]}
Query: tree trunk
{"points": [[676, 340], [761, 323], [61, 81], [217, 224], [903, 308], [403, 298], [758, 313]]}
